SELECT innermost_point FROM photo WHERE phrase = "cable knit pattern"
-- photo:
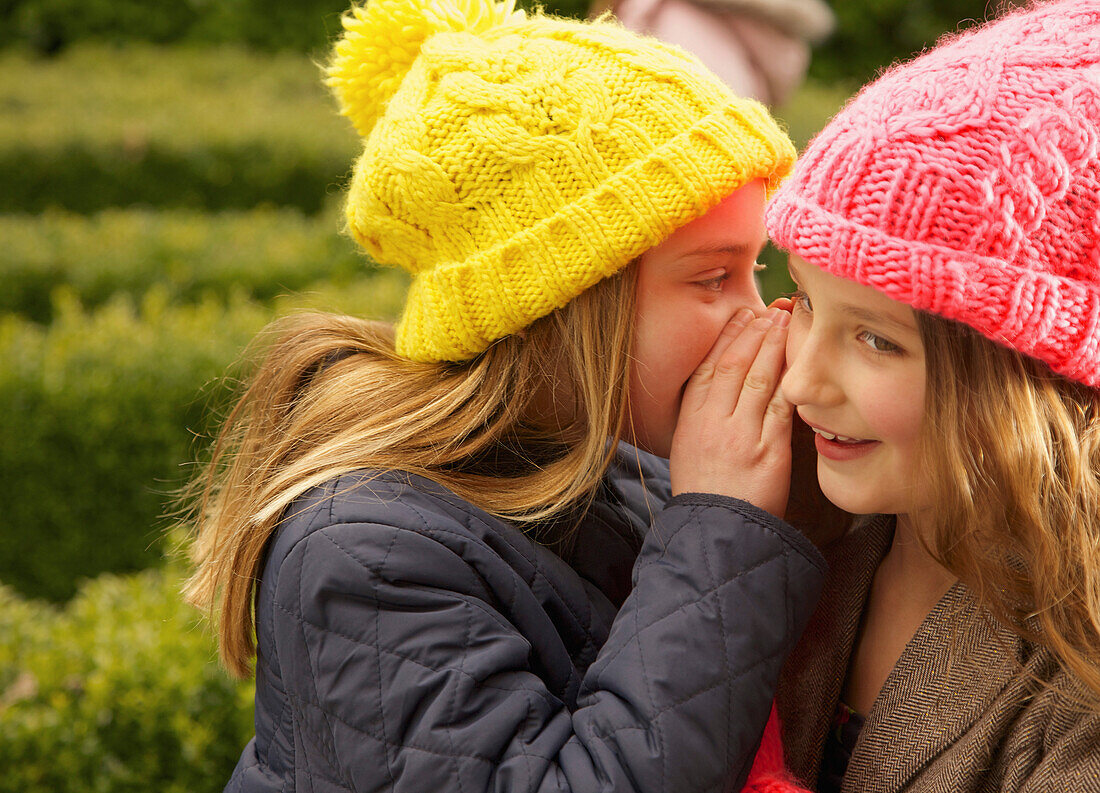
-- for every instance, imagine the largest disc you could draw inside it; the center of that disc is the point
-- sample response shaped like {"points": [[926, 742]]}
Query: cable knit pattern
{"points": [[967, 183], [511, 161]]}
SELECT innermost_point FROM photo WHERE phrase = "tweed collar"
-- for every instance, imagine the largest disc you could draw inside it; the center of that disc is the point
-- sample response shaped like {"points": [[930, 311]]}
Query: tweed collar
{"points": [[957, 663]]}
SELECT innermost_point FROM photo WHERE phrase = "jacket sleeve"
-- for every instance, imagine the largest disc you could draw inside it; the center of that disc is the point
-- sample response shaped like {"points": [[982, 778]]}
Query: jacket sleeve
{"points": [[1057, 740], [403, 676]]}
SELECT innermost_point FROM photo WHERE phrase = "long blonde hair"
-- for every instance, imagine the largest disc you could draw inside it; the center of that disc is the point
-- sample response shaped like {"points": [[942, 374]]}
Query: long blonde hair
{"points": [[525, 431], [1013, 456]]}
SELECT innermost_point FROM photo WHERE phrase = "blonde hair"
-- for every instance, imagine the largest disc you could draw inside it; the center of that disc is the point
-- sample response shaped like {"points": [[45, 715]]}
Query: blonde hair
{"points": [[1012, 452], [524, 431]]}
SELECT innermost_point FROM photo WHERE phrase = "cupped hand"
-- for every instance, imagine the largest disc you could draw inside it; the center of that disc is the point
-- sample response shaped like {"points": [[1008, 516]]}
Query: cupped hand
{"points": [[733, 435]]}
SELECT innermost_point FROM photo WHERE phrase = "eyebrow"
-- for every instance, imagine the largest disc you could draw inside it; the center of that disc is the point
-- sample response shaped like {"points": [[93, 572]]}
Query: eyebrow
{"points": [[742, 249], [874, 317], [861, 313]]}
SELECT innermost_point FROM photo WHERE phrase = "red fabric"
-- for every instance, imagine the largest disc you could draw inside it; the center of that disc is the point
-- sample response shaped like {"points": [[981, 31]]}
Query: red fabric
{"points": [[769, 774]]}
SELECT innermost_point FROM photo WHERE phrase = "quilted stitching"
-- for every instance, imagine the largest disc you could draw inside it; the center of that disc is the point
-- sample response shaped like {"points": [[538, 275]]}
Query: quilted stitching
{"points": [[542, 693], [475, 522], [524, 548], [307, 706]]}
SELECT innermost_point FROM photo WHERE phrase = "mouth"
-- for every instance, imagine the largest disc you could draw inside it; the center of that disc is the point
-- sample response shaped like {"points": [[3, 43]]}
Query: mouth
{"points": [[834, 446], [829, 436]]}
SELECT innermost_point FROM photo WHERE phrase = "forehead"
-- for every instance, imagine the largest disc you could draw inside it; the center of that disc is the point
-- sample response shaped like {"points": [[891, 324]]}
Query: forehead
{"points": [[848, 295]]}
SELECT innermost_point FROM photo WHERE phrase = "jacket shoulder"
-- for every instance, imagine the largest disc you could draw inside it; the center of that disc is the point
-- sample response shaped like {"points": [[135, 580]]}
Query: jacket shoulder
{"points": [[384, 500]]}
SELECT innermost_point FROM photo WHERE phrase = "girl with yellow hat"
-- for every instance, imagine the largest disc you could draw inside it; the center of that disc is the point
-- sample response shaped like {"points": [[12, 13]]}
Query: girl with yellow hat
{"points": [[452, 570]]}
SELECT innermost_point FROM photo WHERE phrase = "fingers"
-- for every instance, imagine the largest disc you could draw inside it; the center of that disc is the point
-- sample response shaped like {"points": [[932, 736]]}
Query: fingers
{"points": [[748, 371], [778, 420], [698, 386], [732, 435], [741, 320], [760, 394]]}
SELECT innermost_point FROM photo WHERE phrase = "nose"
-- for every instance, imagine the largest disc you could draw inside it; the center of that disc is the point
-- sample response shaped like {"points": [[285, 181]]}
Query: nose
{"points": [[754, 302], [811, 377]]}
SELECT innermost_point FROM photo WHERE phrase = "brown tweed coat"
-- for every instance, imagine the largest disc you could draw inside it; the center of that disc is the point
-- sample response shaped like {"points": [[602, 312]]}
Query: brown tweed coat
{"points": [[961, 711]]}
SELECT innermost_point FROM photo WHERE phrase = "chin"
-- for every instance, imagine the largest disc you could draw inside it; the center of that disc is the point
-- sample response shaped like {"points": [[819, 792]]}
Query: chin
{"points": [[867, 502], [854, 503]]}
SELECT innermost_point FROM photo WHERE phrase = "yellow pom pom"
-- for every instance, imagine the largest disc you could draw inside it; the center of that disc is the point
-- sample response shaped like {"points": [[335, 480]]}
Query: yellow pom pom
{"points": [[382, 39]]}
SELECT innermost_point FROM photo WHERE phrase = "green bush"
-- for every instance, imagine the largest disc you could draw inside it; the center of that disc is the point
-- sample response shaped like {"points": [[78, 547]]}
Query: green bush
{"points": [[89, 176], [872, 34], [116, 692], [48, 25], [303, 25], [98, 414], [173, 127], [259, 254], [809, 108], [51, 25]]}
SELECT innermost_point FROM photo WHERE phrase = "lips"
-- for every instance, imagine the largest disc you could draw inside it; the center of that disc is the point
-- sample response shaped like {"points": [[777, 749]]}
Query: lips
{"points": [[839, 438], [834, 446]]}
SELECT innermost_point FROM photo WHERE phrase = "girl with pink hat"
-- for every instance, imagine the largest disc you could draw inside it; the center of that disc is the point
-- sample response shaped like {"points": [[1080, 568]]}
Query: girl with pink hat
{"points": [[944, 232]]}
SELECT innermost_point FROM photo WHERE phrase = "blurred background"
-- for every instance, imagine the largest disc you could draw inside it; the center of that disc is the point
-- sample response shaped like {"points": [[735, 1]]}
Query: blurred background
{"points": [[171, 180]]}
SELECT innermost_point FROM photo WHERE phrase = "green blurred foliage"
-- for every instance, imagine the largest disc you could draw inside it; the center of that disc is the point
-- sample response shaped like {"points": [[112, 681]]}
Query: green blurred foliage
{"points": [[48, 26], [94, 418], [118, 692], [259, 254], [806, 112], [169, 127], [872, 34], [87, 178], [99, 413]]}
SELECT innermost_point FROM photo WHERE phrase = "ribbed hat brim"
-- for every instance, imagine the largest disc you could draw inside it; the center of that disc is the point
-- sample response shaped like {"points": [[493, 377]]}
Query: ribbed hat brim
{"points": [[547, 265], [1015, 304]]}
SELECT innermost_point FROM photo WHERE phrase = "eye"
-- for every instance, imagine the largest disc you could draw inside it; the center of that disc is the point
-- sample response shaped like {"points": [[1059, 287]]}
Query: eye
{"points": [[714, 284], [877, 343], [800, 301]]}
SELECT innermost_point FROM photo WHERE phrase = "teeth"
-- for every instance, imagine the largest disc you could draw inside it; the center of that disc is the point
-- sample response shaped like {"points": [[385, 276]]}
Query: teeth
{"points": [[829, 436]]}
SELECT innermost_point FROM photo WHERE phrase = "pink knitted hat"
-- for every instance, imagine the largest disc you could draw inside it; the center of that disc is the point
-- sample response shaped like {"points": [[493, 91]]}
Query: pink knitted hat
{"points": [[967, 183]]}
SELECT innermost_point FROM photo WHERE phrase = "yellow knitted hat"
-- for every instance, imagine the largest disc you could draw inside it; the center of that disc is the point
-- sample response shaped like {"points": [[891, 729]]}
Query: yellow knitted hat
{"points": [[513, 161]]}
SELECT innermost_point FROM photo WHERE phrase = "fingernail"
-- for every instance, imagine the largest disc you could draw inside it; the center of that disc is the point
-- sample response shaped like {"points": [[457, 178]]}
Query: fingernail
{"points": [[783, 320], [743, 317]]}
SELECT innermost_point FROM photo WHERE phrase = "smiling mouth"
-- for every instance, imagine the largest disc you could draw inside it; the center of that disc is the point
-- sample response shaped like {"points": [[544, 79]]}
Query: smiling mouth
{"points": [[838, 438], [841, 448]]}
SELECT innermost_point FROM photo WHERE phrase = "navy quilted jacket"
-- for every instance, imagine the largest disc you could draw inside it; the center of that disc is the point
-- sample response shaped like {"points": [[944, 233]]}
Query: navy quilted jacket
{"points": [[410, 642]]}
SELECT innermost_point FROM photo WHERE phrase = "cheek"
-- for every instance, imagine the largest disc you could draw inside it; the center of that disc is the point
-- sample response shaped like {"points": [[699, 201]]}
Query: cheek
{"points": [[796, 335], [695, 336], [896, 412], [685, 333]]}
